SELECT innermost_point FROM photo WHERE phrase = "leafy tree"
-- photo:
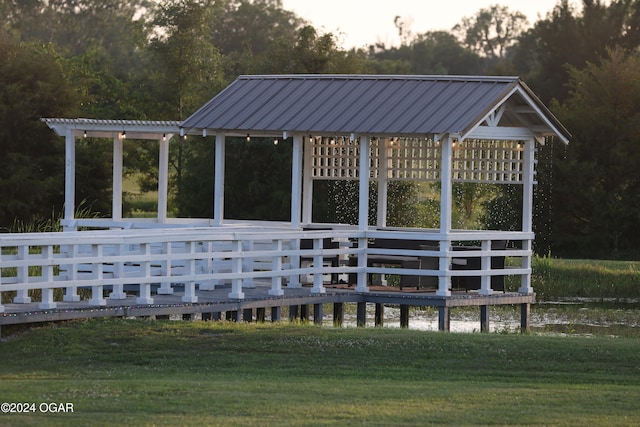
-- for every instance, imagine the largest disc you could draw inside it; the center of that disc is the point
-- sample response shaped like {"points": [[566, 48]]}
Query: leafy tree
{"points": [[32, 85], [491, 31], [567, 37], [597, 190]]}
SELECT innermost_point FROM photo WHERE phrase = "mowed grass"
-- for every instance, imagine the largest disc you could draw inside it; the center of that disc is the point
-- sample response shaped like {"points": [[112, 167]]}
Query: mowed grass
{"points": [[143, 372]]}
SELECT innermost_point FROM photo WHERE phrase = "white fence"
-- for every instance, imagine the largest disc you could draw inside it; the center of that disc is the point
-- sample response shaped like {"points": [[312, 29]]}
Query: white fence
{"points": [[106, 262]]}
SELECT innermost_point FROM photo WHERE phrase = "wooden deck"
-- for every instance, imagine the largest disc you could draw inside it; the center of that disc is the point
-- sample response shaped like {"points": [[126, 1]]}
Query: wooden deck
{"points": [[216, 304]]}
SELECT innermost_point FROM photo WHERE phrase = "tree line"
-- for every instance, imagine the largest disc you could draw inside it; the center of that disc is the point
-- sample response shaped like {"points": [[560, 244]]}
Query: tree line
{"points": [[161, 60]]}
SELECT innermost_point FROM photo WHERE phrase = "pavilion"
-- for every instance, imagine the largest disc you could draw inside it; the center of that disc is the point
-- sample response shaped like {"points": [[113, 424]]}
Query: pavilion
{"points": [[369, 128]]}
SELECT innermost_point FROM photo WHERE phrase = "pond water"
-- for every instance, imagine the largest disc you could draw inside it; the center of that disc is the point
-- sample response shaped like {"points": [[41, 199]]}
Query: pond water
{"points": [[570, 318]]}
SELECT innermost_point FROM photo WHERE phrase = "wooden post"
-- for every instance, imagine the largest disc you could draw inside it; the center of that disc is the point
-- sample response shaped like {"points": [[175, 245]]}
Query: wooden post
{"points": [[304, 312], [484, 318], [317, 314], [361, 314], [379, 319], [338, 314], [276, 313], [404, 316], [444, 319], [293, 312], [525, 314]]}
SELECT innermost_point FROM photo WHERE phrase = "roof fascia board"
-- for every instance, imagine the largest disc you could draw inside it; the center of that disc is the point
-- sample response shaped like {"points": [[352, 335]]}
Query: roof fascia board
{"points": [[542, 114]]}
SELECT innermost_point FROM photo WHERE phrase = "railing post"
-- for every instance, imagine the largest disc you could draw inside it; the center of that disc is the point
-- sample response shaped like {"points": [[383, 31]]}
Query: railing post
{"points": [[145, 267], [248, 282], [485, 263], [22, 296], [71, 292], [118, 270], [294, 279], [47, 277], [444, 280], [165, 287], [525, 287], [318, 266], [361, 285], [236, 283], [190, 267], [276, 265], [97, 297]]}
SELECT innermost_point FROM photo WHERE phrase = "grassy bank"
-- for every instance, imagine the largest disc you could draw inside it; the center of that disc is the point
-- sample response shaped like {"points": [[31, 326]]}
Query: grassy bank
{"points": [[555, 279], [118, 372]]}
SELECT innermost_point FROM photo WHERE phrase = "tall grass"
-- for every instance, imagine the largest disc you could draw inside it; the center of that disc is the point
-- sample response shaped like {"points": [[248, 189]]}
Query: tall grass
{"points": [[554, 279]]}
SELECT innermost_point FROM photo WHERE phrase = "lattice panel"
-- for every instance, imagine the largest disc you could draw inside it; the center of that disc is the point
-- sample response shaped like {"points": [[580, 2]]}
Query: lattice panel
{"points": [[493, 161], [413, 159], [418, 159], [334, 158]]}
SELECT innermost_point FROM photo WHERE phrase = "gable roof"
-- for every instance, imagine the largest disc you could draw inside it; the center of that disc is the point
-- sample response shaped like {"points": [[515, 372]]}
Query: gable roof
{"points": [[370, 104]]}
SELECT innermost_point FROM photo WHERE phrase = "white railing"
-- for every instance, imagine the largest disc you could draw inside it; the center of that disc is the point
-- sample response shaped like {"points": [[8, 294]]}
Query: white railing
{"points": [[159, 260]]}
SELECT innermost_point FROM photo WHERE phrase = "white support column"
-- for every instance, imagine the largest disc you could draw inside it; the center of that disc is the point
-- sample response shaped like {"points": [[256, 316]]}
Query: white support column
{"points": [[363, 212], [446, 196], [70, 178], [218, 189], [116, 209], [527, 211], [446, 184], [163, 178], [363, 198], [144, 295], [307, 183], [296, 181], [383, 181]]}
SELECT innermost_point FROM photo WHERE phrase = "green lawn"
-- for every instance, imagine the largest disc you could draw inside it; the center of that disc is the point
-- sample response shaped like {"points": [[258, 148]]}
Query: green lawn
{"points": [[134, 372]]}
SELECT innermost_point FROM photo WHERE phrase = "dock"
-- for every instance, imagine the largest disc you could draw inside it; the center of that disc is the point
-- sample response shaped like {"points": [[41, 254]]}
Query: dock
{"points": [[259, 305]]}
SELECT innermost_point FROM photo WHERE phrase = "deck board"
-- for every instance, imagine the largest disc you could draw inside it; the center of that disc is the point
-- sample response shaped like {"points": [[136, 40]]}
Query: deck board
{"points": [[217, 300]]}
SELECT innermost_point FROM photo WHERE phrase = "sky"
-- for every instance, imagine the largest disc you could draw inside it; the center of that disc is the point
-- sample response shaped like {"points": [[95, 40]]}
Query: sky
{"points": [[359, 23]]}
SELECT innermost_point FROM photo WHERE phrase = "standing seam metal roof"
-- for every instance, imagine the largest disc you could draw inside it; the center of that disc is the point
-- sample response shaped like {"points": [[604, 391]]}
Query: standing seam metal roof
{"points": [[361, 104]]}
